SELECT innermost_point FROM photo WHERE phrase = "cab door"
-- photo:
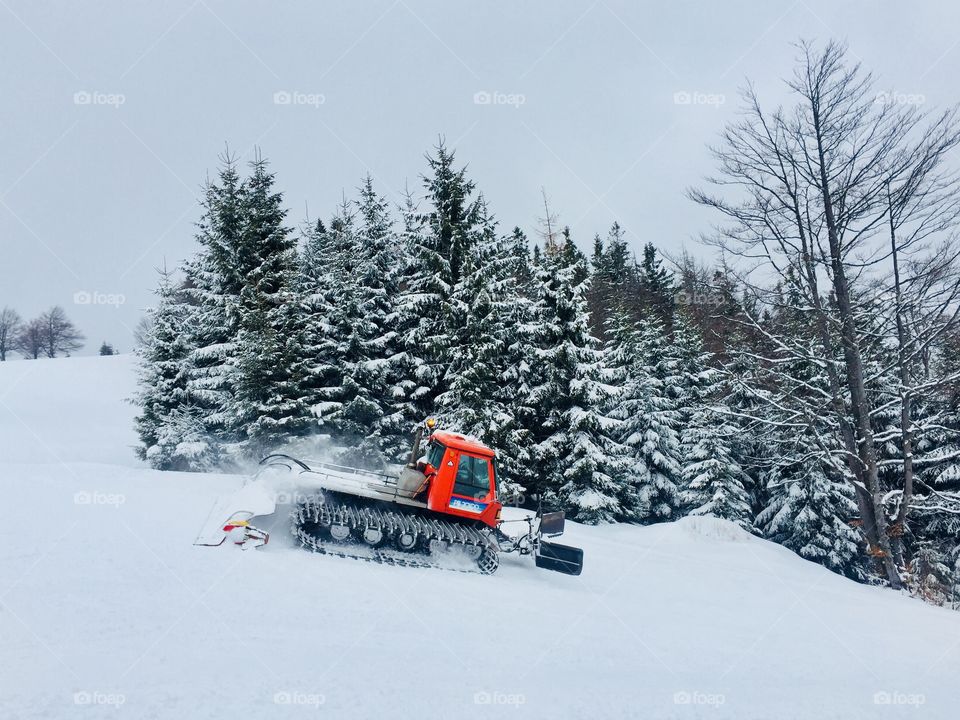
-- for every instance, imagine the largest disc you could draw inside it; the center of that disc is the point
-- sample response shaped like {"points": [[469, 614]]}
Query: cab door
{"points": [[474, 479], [472, 489]]}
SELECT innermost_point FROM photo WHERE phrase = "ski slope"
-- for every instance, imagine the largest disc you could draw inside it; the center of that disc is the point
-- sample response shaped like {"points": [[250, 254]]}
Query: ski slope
{"points": [[108, 611]]}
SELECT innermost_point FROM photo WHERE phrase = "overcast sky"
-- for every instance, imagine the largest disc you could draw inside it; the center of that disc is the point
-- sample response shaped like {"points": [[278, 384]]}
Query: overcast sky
{"points": [[112, 114]]}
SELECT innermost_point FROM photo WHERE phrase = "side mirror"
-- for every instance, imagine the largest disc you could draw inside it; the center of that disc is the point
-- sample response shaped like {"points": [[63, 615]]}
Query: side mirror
{"points": [[552, 524]]}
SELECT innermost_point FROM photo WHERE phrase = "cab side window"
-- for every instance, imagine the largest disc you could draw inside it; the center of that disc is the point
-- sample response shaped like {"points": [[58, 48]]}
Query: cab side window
{"points": [[473, 477]]}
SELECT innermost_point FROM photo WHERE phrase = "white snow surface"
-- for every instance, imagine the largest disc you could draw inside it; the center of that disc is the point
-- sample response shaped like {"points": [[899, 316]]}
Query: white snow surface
{"points": [[108, 611]]}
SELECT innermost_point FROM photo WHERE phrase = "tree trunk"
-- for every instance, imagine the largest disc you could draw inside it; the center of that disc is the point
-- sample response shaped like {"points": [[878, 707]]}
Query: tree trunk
{"points": [[848, 437], [860, 403], [906, 398]]}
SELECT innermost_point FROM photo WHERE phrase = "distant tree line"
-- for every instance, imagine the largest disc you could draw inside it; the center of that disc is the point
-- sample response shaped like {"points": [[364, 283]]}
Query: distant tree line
{"points": [[49, 335], [805, 386]]}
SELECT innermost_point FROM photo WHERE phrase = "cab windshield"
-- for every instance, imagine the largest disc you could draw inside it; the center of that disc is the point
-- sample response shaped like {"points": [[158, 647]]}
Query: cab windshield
{"points": [[435, 454], [473, 477]]}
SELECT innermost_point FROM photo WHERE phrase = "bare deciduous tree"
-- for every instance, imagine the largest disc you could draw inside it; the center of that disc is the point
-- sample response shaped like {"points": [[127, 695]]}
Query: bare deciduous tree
{"points": [[60, 335], [10, 323], [48, 335], [829, 195], [30, 339], [141, 333]]}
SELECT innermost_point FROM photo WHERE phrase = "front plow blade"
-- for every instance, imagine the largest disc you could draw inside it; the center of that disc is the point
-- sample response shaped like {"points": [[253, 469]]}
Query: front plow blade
{"points": [[231, 512], [559, 558]]}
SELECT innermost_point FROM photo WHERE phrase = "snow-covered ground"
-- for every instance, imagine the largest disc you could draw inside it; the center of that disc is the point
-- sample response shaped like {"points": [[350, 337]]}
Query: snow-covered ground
{"points": [[108, 611]]}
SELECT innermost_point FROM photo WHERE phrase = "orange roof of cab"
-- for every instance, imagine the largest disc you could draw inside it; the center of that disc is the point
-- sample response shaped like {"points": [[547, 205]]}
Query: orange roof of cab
{"points": [[461, 442]]}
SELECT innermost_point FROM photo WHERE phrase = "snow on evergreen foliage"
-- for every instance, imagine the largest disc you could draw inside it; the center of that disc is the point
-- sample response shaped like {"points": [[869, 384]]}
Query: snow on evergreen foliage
{"points": [[438, 240], [374, 321], [169, 426], [512, 434], [809, 512], [240, 330], [357, 349], [317, 286], [213, 283], [712, 479], [582, 466], [470, 402], [652, 417], [269, 403]]}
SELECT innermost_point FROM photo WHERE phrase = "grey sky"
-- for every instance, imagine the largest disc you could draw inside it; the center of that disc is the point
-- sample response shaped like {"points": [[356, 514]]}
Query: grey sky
{"points": [[588, 99]]}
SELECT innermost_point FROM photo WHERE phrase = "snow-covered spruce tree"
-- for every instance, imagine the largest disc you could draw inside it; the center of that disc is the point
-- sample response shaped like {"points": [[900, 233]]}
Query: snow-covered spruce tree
{"points": [[382, 374], [810, 510], [317, 287], [361, 411], [656, 290], [736, 345], [614, 280], [269, 404], [582, 466], [628, 373], [749, 446], [693, 378], [407, 393], [513, 436], [486, 376], [212, 285], [437, 241], [652, 423], [930, 538], [171, 433], [470, 402], [712, 480], [340, 339], [548, 377]]}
